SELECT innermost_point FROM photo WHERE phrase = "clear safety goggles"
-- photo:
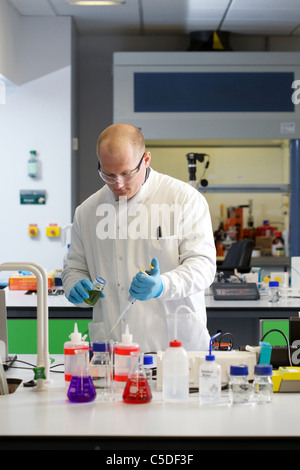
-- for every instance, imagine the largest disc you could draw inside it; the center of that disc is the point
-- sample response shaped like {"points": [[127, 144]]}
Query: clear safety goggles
{"points": [[125, 177]]}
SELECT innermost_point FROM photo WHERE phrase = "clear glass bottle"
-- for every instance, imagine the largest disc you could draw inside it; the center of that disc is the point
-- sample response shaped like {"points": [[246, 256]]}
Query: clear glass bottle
{"points": [[96, 291], [239, 386], [148, 366], [209, 380], [263, 384], [101, 367], [273, 291], [137, 389]]}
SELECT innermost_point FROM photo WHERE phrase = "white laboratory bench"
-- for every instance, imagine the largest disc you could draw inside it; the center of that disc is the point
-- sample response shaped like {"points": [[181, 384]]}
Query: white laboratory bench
{"points": [[19, 304], [32, 419], [20, 299]]}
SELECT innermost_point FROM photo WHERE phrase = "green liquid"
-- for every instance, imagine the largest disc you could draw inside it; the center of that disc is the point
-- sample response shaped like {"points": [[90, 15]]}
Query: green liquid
{"points": [[93, 297]]}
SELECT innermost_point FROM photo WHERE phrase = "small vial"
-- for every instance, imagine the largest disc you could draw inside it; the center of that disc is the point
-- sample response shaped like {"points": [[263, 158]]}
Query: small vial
{"points": [[96, 291], [239, 387], [273, 291], [263, 384]]}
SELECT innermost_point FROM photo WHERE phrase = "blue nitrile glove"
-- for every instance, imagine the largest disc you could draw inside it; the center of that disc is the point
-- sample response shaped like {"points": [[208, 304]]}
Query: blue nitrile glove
{"points": [[80, 291], [144, 286]]}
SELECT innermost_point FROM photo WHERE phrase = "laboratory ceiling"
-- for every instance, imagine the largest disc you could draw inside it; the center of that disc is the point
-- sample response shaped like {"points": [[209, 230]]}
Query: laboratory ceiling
{"points": [[161, 17]]}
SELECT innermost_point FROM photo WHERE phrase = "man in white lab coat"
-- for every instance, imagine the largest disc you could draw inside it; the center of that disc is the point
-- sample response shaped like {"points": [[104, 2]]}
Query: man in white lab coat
{"points": [[141, 218]]}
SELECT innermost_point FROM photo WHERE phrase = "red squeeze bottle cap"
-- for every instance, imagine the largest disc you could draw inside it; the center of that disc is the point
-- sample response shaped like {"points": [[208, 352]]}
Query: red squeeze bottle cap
{"points": [[175, 343]]}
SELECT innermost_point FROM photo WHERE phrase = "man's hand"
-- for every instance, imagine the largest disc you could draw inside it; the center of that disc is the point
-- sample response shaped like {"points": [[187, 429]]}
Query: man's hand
{"points": [[144, 286]]}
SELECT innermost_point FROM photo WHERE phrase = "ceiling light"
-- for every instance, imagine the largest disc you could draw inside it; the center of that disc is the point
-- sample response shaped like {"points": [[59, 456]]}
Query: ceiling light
{"points": [[95, 2]]}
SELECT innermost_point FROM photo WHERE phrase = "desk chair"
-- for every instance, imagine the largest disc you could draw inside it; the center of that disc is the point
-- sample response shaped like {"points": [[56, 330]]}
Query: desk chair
{"points": [[238, 257]]}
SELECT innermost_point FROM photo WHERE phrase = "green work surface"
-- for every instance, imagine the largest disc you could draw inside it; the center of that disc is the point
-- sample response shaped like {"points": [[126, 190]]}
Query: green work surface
{"points": [[275, 338], [22, 334]]}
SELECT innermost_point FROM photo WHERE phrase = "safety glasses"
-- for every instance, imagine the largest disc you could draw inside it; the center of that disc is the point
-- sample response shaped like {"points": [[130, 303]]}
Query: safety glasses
{"points": [[125, 177]]}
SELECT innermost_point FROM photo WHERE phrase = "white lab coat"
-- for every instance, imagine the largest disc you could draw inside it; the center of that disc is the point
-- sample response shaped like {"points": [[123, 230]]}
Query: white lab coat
{"points": [[115, 239]]}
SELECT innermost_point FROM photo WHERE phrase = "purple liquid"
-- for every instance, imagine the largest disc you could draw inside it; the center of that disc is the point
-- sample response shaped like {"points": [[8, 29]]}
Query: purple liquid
{"points": [[81, 389]]}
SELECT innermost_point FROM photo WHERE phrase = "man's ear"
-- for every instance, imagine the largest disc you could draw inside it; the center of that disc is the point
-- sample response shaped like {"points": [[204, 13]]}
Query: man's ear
{"points": [[147, 159]]}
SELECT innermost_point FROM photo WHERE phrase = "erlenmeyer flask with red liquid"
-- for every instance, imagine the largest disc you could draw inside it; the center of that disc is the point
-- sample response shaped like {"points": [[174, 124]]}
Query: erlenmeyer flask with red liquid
{"points": [[137, 389]]}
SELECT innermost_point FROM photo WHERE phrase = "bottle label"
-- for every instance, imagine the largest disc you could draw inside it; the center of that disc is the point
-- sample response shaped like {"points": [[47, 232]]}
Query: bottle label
{"points": [[72, 351], [126, 350], [32, 169]]}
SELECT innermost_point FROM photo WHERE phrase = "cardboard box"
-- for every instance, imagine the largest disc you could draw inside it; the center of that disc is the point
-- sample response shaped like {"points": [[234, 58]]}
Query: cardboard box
{"points": [[20, 281], [263, 242]]}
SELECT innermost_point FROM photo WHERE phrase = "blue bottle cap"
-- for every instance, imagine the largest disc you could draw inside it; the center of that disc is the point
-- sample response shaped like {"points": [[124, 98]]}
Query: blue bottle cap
{"points": [[263, 369], [273, 284], [99, 347], [239, 370], [100, 280], [148, 360], [210, 357]]}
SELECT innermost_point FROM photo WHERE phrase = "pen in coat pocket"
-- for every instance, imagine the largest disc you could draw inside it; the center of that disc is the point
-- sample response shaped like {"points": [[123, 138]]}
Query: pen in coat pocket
{"points": [[158, 233]]}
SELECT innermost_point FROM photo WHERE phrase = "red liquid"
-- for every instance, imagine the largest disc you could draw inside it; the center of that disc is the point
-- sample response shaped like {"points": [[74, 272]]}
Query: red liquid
{"points": [[137, 390]]}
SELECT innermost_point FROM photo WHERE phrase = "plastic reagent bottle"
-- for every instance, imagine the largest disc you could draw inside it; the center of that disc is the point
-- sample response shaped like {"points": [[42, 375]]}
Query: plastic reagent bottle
{"points": [[263, 384], [239, 387], [210, 380], [76, 343], [96, 291], [210, 377], [273, 291], [175, 367], [123, 358], [278, 245]]}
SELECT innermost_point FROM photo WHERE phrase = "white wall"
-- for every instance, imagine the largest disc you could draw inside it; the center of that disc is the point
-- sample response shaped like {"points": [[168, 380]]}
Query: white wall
{"points": [[9, 41], [37, 116]]}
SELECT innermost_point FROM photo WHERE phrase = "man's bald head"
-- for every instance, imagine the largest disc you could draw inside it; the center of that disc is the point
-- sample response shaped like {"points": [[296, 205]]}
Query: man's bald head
{"points": [[117, 135]]}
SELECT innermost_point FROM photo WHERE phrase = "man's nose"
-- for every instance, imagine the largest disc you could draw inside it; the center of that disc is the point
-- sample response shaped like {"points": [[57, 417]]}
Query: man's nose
{"points": [[119, 183]]}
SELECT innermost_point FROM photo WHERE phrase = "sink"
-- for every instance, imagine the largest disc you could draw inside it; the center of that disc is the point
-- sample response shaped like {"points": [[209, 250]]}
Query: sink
{"points": [[13, 384]]}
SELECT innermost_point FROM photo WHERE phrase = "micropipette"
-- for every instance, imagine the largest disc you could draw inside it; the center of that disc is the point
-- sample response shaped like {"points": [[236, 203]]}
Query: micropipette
{"points": [[130, 301]]}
